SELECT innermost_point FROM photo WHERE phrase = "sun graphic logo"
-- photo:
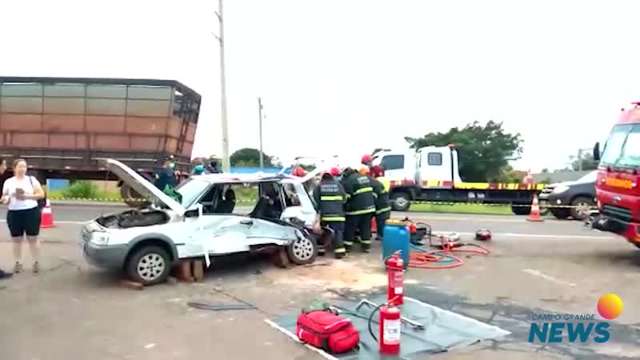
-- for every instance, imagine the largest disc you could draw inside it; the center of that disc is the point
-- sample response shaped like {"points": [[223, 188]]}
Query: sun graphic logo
{"points": [[558, 328], [610, 306]]}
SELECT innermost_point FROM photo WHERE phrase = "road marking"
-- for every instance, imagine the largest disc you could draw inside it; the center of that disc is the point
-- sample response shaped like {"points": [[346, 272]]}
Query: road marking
{"points": [[548, 277], [472, 218], [60, 222], [295, 338], [541, 236]]}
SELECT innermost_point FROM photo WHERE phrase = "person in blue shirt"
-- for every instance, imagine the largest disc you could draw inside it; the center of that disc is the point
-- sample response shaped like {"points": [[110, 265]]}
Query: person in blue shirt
{"points": [[165, 176]]}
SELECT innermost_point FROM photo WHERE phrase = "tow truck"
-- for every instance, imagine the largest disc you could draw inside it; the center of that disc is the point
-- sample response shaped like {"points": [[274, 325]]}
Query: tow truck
{"points": [[430, 174], [617, 188]]}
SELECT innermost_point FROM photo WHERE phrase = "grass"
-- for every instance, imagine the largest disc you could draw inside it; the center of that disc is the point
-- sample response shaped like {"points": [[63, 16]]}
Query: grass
{"points": [[486, 209], [85, 190]]}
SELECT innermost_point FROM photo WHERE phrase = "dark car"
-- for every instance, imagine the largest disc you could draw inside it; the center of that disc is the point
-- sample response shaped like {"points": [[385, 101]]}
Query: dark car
{"points": [[579, 194]]}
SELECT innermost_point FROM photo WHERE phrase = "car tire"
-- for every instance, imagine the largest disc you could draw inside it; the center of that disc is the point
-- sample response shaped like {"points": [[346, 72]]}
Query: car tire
{"points": [[149, 265], [581, 204], [400, 201], [303, 251], [521, 209], [560, 214]]}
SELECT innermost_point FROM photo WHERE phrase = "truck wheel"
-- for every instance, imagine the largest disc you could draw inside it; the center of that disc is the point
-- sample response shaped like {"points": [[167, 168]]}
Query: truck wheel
{"points": [[521, 209], [302, 251], [149, 265], [400, 201], [132, 198], [560, 213], [582, 206]]}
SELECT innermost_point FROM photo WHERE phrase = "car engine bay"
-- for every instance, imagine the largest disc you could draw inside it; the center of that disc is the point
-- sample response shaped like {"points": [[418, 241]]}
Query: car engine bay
{"points": [[133, 218]]}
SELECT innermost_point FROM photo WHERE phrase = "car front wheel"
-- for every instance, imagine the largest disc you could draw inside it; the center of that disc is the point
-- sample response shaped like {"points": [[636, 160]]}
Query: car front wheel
{"points": [[302, 251], [149, 265], [581, 207]]}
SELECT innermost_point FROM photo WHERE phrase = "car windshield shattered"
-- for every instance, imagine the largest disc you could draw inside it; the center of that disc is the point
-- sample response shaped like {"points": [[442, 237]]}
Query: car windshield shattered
{"points": [[190, 190]]}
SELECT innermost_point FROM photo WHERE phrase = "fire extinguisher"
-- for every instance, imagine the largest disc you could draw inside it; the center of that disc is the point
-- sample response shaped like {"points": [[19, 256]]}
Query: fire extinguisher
{"points": [[395, 284], [389, 341]]}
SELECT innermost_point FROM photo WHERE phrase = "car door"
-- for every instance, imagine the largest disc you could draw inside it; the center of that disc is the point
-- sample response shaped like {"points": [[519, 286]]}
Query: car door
{"points": [[212, 233]]}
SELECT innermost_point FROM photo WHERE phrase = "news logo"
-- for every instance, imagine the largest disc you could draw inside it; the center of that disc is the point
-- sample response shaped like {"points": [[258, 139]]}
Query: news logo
{"points": [[557, 328]]}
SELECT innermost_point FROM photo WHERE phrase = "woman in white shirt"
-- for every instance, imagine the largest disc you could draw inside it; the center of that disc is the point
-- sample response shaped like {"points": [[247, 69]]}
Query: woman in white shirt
{"points": [[22, 193]]}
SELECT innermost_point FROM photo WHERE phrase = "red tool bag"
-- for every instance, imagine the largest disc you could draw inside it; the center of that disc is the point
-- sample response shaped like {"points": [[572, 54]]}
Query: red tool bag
{"points": [[328, 331]]}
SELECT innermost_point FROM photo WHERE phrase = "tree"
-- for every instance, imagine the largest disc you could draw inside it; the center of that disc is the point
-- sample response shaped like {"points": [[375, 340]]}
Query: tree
{"points": [[587, 162], [249, 157], [484, 150]]}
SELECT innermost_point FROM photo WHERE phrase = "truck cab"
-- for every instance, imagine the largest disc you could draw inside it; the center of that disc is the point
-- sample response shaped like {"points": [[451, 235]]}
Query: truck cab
{"points": [[617, 184]]}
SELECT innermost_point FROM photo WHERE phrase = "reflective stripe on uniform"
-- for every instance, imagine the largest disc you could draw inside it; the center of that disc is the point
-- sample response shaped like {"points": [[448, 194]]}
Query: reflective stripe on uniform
{"points": [[363, 190], [348, 243], [383, 210], [362, 212], [333, 218], [365, 242], [340, 250], [331, 198]]}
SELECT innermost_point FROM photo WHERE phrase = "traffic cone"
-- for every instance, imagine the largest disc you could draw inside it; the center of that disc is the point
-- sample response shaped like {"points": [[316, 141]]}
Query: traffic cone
{"points": [[534, 215], [46, 216]]}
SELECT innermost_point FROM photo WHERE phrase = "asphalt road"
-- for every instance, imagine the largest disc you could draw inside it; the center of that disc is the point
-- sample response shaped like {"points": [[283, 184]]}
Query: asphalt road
{"points": [[555, 266]]}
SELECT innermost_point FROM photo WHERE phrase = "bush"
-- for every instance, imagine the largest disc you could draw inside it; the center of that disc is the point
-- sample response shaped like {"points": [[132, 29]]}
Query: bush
{"points": [[81, 190]]}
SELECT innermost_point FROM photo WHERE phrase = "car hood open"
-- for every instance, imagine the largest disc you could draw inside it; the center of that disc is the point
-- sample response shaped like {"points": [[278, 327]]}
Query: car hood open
{"points": [[142, 186]]}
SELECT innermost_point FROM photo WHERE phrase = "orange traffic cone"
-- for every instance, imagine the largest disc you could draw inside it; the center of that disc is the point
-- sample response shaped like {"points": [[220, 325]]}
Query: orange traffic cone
{"points": [[46, 216], [534, 215]]}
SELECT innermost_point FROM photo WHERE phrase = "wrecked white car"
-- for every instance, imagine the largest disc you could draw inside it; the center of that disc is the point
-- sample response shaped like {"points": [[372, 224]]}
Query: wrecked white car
{"points": [[216, 214]]}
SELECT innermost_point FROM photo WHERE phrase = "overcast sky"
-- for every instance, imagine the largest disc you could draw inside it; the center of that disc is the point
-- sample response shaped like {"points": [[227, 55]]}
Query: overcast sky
{"points": [[346, 76]]}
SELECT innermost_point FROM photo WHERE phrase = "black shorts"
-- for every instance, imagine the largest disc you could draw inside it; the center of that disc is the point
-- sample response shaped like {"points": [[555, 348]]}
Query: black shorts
{"points": [[24, 222]]}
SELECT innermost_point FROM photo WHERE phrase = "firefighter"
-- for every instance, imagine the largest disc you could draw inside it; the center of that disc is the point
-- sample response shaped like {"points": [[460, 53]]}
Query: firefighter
{"points": [[330, 198], [366, 160], [360, 208], [383, 206]]}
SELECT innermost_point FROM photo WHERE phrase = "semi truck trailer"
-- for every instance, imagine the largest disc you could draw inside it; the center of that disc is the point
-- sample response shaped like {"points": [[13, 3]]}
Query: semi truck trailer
{"points": [[63, 127]]}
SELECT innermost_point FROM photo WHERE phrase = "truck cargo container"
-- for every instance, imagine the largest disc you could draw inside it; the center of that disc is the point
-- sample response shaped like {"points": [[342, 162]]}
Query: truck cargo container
{"points": [[63, 127]]}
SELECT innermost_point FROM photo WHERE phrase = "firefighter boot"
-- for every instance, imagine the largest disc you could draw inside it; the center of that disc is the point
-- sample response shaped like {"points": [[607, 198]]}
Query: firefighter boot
{"points": [[339, 252], [365, 246]]}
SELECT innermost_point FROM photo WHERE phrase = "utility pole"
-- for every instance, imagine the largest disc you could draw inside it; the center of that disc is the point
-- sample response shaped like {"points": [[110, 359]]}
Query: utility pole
{"points": [[260, 134], [579, 159], [223, 91]]}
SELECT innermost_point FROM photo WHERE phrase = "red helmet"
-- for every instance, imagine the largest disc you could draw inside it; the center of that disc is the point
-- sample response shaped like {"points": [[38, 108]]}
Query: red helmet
{"points": [[334, 171], [298, 171], [366, 159]]}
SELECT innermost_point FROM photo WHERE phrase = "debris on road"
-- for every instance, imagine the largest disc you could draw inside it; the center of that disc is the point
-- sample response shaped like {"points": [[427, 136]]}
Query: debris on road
{"points": [[483, 235], [131, 285], [222, 307]]}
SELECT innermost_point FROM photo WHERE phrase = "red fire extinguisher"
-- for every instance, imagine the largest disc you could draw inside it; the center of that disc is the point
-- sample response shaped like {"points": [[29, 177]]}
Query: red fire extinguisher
{"points": [[389, 341], [395, 284]]}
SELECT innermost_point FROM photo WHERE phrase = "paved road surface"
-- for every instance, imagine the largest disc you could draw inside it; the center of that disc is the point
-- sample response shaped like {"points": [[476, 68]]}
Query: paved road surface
{"points": [[73, 311]]}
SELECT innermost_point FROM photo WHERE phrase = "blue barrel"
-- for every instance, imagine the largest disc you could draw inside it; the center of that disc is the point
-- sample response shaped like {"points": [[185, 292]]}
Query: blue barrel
{"points": [[396, 237]]}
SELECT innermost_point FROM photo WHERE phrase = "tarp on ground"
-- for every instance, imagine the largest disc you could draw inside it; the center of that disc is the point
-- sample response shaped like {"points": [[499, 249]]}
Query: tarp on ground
{"points": [[444, 330]]}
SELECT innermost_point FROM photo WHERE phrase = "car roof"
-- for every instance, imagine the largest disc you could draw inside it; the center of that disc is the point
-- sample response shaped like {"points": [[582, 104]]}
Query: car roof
{"points": [[246, 178]]}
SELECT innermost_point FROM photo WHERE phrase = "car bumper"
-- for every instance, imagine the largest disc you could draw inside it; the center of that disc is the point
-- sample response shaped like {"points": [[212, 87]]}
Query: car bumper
{"points": [[106, 257], [629, 230]]}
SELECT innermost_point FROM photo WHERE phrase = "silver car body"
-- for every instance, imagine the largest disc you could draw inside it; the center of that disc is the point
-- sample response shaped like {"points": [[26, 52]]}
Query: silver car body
{"points": [[190, 235]]}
